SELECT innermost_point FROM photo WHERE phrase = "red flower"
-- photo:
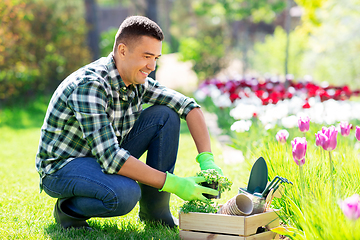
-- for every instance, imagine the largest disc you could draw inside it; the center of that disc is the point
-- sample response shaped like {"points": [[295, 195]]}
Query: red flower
{"points": [[312, 89], [323, 95], [259, 93], [306, 105], [274, 97], [234, 96], [265, 101]]}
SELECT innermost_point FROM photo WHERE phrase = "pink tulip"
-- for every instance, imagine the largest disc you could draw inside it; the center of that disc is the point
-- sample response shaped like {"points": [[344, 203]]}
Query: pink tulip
{"points": [[282, 136], [327, 138], [351, 207], [299, 146], [317, 139], [345, 128], [357, 133], [303, 123]]}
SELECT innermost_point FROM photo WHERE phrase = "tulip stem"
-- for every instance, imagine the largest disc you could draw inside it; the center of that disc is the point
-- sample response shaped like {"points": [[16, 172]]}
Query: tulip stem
{"points": [[331, 174], [301, 174]]}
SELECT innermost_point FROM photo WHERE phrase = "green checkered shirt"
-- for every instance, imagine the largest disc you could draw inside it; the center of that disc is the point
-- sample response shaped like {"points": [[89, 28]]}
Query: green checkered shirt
{"points": [[92, 111]]}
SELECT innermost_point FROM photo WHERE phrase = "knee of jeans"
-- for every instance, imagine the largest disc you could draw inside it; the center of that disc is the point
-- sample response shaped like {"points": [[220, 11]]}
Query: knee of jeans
{"points": [[123, 200], [172, 117]]}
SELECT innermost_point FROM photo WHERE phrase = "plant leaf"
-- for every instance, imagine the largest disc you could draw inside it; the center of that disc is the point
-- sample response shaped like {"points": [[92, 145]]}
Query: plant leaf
{"points": [[296, 209], [289, 231]]}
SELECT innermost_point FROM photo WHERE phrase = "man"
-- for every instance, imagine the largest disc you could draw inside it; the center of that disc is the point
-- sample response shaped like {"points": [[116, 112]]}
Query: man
{"points": [[95, 130]]}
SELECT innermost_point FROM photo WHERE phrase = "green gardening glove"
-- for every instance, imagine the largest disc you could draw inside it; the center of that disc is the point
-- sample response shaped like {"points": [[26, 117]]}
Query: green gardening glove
{"points": [[187, 188], [206, 161]]}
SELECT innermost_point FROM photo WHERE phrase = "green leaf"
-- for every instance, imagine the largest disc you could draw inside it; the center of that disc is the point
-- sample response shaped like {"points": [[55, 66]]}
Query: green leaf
{"points": [[289, 231], [296, 209]]}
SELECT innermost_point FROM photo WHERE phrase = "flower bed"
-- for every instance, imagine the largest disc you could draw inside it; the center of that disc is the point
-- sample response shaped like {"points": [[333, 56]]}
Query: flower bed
{"points": [[324, 201], [278, 103]]}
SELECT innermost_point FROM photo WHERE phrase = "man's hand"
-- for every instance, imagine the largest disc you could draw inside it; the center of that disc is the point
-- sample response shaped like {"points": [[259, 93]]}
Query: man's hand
{"points": [[206, 161], [187, 188]]}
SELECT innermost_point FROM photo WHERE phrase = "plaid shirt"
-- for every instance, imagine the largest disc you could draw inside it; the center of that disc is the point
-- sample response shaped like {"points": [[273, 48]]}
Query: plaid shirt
{"points": [[92, 111]]}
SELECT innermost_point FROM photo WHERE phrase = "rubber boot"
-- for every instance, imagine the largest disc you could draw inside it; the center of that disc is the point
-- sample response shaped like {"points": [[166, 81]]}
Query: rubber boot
{"points": [[154, 207], [66, 220]]}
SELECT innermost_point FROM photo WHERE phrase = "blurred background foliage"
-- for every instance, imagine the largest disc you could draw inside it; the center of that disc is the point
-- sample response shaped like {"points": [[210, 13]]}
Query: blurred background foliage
{"points": [[41, 42]]}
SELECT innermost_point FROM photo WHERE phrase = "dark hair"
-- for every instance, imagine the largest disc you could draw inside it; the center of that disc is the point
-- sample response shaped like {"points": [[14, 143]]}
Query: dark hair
{"points": [[134, 27]]}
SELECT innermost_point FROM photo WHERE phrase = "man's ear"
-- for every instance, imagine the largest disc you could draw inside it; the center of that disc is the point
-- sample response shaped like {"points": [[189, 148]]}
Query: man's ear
{"points": [[121, 50]]}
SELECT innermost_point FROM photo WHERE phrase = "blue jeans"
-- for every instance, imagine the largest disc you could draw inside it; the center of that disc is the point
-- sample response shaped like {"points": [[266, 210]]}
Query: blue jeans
{"points": [[92, 193]]}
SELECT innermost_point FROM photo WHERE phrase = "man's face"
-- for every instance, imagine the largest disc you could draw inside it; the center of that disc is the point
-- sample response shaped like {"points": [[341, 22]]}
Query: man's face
{"points": [[139, 60]]}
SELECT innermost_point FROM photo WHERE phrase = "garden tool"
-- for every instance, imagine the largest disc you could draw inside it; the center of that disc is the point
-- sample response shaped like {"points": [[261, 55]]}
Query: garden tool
{"points": [[256, 185], [258, 177], [258, 190], [274, 185], [279, 192], [268, 199]]}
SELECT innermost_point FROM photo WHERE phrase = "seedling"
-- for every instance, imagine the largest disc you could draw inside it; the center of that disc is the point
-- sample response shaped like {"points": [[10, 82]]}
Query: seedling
{"points": [[211, 176]]}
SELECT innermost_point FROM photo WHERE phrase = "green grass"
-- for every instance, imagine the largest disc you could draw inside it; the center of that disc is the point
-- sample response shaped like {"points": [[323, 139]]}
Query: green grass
{"points": [[315, 210], [27, 214]]}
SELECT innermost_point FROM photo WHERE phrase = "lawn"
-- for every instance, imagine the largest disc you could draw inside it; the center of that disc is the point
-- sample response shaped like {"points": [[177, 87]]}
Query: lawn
{"points": [[27, 214]]}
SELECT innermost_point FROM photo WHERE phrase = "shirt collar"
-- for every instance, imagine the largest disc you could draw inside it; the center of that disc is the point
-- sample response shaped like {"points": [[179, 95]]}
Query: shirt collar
{"points": [[116, 80]]}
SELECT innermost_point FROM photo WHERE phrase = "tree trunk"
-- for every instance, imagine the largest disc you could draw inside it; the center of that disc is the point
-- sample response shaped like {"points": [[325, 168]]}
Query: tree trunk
{"points": [[93, 29], [245, 45], [287, 28], [151, 12]]}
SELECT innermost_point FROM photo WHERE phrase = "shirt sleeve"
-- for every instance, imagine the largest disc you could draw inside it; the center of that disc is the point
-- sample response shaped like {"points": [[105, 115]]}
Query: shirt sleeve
{"points": [[156, 93], [89, 102]]}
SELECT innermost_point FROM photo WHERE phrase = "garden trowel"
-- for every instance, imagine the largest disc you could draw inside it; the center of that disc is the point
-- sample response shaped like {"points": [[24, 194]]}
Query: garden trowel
{"points": [[258, 177]]}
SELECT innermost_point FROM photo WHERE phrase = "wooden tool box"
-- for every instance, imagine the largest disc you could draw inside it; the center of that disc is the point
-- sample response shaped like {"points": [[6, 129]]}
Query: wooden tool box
{"points": [[220, 226]]}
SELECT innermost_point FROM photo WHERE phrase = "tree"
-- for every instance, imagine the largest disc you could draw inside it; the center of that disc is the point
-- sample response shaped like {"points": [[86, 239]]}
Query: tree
{"points": [[215, 18], [40, 44], [334, 44]]}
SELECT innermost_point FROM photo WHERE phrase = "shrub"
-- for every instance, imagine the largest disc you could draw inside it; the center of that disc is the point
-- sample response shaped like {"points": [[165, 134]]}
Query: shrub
{"points": [[107, 39], [207, 52], [41, 42], [269, 56]]}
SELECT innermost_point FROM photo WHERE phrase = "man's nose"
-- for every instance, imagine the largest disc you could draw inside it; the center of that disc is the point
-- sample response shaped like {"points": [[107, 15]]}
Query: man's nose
{"points": [[151, 65]]}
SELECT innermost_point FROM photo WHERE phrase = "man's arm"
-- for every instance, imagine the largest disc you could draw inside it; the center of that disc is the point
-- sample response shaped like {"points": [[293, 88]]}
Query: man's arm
{"points": [[139, 171], [186, 188], [199, 132]]}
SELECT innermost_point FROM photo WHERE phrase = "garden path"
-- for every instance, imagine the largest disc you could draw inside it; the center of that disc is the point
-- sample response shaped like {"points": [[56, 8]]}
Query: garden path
{"points": [[178, 75]]}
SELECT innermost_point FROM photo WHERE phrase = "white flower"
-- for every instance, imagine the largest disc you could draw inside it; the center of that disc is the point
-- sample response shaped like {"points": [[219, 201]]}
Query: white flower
{"points": [[243, 111], [200, 95], [355, 110], [290, 121], [281, 110], [241, 126], [295, 105], [214, 92], [222, 100]]}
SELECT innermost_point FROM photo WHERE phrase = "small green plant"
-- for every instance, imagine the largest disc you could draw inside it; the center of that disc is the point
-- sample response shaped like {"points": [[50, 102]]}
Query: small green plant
{"points": [[212, 176], [208, 206]]}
